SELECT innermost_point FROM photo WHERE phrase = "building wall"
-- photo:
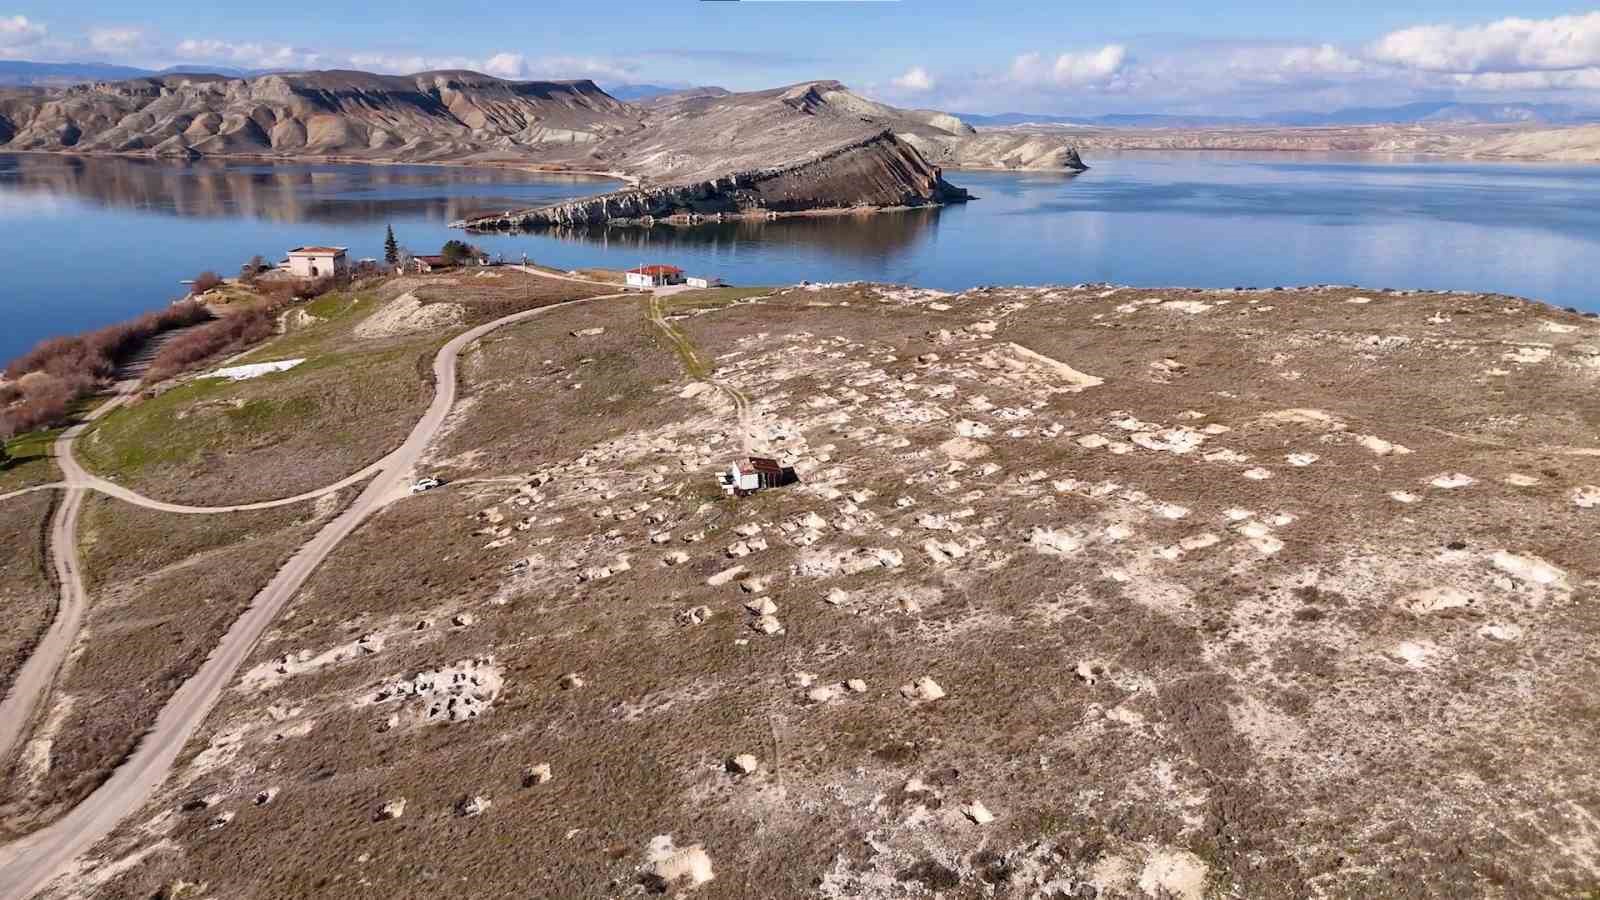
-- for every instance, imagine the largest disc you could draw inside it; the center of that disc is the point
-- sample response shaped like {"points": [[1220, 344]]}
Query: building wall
{"points": [[302, 266]]}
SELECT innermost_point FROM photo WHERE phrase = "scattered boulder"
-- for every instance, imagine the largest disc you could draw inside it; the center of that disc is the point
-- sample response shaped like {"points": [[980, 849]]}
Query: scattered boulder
{"points": [[394, 809], [666, 866], [762, 606], [570, 681], [826, 693], [467, 807], [535, 775], [744, 764], [924, 689], [767, 624], [978, 813], [694, 615]]}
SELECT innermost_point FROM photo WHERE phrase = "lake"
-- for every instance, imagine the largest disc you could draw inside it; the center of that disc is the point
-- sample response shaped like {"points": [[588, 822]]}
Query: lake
{"points": [[96, 240]]}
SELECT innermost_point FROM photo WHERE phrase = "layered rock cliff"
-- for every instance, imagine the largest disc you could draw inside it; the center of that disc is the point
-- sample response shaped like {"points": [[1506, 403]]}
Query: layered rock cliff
{"points": [[878, 171]]}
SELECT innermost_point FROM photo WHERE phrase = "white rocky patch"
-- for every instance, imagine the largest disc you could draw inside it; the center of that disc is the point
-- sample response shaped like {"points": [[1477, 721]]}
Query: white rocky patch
{"points": [[455, 693], [1382, 447], [254, 370], [667, 867], [1528, 569], [1452, 480], [1052, 542]]}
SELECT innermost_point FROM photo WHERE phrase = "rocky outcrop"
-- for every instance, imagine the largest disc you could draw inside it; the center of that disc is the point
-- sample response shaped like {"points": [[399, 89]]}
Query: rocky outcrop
{"points": [[880, 171], [1001, 150]]}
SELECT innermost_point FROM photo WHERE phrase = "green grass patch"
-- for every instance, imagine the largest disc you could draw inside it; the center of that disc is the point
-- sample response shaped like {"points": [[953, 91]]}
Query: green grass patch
{"points": [[265, 437], [28, 460]]}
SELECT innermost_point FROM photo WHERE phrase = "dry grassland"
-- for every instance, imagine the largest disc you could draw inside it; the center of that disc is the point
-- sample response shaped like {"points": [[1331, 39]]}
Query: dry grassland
{"points": [[27, 595], [1083, 592]]}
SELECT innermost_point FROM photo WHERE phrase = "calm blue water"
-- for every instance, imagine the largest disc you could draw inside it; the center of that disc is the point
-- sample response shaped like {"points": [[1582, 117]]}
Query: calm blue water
{"points": [[97, 240]]}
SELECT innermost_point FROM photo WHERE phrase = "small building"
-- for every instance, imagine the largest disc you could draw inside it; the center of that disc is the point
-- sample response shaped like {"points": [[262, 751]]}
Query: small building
{"points": [[698, 281], [317, 262], [654, 276], [426, 264], [746, 476]]}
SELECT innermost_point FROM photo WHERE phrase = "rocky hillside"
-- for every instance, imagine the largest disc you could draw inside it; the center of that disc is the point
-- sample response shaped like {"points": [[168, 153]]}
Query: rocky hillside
{"points": [[810, 146], [878, 171], [429, 116]]}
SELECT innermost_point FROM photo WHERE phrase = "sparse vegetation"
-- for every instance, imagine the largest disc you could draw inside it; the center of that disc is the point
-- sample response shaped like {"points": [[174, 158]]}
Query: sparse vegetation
{"points": [[47, 380], [459, 253], [157, 612], [205, 281], [229, 334], [25, 582]]}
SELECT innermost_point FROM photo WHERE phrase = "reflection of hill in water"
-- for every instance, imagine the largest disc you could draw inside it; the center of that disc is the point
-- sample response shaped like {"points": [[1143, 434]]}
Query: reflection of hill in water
{"points": [[285, 193], [870, 236]]}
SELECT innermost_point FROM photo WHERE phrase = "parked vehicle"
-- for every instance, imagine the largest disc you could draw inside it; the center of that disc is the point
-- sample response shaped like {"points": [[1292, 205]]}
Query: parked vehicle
{"points": [[426, 484]]}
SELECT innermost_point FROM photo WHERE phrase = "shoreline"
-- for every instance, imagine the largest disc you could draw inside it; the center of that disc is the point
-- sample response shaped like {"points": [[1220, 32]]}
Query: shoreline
{"points": [[507, 165], [707, 219]]}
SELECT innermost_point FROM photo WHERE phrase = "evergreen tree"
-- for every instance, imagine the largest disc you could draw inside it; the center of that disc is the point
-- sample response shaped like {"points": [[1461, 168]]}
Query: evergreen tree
{"points": [[391, 248]]}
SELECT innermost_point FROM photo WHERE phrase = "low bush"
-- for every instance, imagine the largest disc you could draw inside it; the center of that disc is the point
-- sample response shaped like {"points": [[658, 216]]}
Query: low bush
{"points": [[229, 334], [205, 281], [302, 288], [58, 371]]}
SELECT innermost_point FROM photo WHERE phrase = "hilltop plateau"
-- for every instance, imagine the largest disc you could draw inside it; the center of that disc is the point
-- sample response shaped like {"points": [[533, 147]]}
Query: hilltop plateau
{"points": [[1080, 591]]}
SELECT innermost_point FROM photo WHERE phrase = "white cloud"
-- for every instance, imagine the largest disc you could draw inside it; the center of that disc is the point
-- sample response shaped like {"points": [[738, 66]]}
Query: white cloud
{"points": [[20, 31], [248, 54], [915, 79], [1509, 45], [1071, 70], [505, 65], [115, 40]]}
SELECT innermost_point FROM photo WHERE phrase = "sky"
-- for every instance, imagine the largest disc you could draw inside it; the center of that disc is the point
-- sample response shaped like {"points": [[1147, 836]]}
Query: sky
{"points": [[979, 56]]}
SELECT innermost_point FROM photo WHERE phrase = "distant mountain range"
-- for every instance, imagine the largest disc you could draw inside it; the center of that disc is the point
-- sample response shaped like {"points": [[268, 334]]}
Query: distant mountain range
{"points": [[1426, 113], [21, 73], [633, 93]]}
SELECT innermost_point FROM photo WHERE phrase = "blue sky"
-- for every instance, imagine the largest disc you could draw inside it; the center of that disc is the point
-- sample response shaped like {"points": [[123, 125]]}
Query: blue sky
{"points": [[970, 55]]}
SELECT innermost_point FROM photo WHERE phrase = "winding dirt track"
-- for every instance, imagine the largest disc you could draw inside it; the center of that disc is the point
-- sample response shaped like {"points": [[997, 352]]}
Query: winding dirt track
{"points": [[29, 864], [700, 368]]}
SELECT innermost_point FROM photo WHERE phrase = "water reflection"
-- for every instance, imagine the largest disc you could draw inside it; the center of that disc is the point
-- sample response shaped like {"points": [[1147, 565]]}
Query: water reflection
{"points": [[865, 236], [286, 192], [132, 228]]}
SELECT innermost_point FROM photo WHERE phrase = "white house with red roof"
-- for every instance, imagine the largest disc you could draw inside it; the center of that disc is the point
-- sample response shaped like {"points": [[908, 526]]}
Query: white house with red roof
{"points": [[654, 276]]}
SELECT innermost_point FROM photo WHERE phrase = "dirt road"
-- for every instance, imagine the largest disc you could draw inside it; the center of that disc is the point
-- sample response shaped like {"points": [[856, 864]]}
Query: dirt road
{"points": [[30, 863], [35, 676], [700, 368]]}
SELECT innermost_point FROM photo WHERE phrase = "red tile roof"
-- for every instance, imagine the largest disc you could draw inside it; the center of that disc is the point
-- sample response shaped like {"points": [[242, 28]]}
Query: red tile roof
{"points": [[760, 464], [656, 270], [317, 251]]}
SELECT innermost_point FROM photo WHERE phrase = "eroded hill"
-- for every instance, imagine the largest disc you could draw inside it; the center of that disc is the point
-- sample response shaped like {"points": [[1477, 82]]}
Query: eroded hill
{"points": [[812, 146]]}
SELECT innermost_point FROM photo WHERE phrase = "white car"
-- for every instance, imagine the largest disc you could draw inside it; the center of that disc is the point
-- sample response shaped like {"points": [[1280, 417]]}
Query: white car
{"points": [[426, 484]]}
